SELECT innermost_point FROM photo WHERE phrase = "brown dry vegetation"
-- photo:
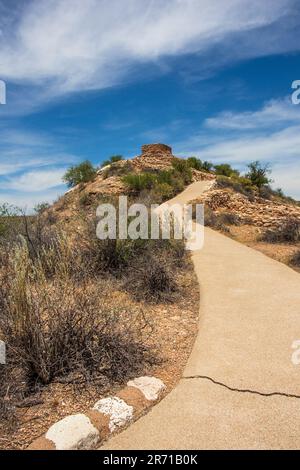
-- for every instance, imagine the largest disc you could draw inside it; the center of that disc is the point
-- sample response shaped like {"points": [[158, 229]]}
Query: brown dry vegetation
{"points": [[81, 316]]}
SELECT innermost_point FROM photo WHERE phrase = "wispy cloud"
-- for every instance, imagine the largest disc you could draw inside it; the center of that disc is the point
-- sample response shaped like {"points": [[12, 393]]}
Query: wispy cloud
{"points": [[58, 46], [31, 166], [34, 181], [273, 113], [270, 134]]}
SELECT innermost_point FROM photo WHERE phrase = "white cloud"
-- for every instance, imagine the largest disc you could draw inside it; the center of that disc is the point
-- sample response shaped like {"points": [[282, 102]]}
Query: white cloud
{"points": [[272, 147], [33, 181], [63, 46], [274, 112], [271, 135], [31, 167], [287, 176]]}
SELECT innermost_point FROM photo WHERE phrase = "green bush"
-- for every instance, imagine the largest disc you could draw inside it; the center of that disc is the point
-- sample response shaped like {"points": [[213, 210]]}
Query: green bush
{"points": [[81, 173], [182, 170], [225, 169], [258, 174], [162, 184], [200, 165], [137, 182]]}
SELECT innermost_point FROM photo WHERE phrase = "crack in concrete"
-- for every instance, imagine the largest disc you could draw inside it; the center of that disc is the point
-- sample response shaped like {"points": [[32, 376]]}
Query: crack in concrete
{"points": [[241, 390]]}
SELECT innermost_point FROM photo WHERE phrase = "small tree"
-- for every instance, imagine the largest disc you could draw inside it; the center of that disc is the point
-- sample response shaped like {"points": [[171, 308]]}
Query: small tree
{"points": [[112, 159], [198, 164], [258, 174], [195, 163], [81, 173], [225, 169]]}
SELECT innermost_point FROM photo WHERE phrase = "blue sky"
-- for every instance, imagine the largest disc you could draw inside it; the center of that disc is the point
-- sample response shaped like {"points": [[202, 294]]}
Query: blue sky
{"points": [[96, 78]]}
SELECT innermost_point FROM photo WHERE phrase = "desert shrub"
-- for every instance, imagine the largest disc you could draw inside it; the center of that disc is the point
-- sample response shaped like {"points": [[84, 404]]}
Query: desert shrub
{"points": [[182, 169], [113, 255], [225, 169], [214, 220], [61, 328], [155, 283], [81, 173], [138, 182], [237, 183], [295, 260], [265, 192], [162, 184], [229, 218], [289, 232], [197, 164], [258, 174]]}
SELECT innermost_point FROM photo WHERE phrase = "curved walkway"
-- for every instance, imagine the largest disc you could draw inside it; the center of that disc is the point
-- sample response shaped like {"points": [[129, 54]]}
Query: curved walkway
{"points": [[240, 388]]}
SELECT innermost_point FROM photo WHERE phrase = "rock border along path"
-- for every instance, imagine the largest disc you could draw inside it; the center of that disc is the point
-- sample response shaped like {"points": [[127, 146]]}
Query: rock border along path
{"points": [[87, 430]]}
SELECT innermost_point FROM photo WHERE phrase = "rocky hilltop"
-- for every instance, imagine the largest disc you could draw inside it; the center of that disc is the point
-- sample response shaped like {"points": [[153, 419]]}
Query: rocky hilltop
{"points": [[255, 210], [108, 181]]}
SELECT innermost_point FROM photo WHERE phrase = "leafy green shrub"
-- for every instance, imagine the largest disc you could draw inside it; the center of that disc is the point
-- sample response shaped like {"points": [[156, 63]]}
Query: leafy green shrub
{"points": [[182, 170], [225, 169], [289, 232], [200, 165], [195, 163], [137, 182], [258, 174], [162, 184], [81, 173]]}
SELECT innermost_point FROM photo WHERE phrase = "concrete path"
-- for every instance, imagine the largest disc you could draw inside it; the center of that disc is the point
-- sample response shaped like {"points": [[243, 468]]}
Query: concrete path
{"points": [[240, 389]]}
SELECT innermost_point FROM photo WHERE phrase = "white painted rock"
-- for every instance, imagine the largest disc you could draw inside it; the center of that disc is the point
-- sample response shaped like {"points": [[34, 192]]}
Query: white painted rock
{"points": [[74, 432], [118, 411], [151, 387]]}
